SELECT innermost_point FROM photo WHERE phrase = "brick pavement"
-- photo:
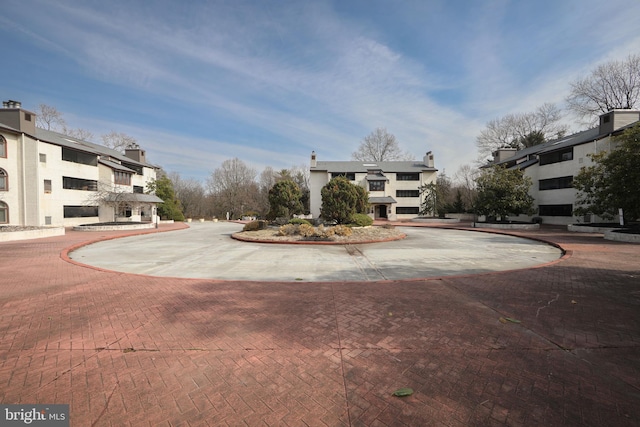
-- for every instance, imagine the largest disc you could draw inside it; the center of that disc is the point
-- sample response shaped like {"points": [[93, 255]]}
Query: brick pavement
{"points": [[125, 349]]}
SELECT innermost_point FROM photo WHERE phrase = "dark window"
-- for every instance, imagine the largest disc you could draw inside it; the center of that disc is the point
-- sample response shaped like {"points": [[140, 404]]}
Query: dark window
{"points": [[407, 193], [79, 157], [408, 177], [4, 180], [47, 186], [138, 189], [555, 183], [351, 176], [3, 146], [4, 213], [556, 156], [69, 183], [27, 117], [136, 168], [80, 211], [407, 210], [122, 178], [555, 210], [43, 158], [376, 185]]}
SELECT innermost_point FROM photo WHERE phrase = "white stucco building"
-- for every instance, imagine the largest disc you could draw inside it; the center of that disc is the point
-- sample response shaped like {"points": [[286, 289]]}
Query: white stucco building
{"points": [[47, 178], [393, 186], [553, 165]]}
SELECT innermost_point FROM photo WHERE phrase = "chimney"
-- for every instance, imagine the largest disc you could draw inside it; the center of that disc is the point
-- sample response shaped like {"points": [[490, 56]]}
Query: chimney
{"points": [[314, 162], [136, 154], [12, 114], [428, 160], [502, 154], [616, 119]]}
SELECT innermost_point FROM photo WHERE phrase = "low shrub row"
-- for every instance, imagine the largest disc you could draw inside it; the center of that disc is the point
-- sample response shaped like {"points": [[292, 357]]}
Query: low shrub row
{"points": [[309, 231]]}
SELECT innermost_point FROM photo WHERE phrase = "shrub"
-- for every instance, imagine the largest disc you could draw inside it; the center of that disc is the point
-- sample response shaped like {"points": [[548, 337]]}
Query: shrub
{"points": [[361, 220], [288, 230], [255, 225], [306, 230], [324, 232], [342, 230], [299, 221], [388, 226]]}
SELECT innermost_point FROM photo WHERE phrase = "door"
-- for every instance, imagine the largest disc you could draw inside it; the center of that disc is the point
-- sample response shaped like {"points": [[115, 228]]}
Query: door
{"points": [[382, 211]]}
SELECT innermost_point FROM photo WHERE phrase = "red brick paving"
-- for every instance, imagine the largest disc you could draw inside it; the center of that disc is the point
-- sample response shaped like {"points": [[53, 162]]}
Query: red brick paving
{"points": [[134, 350]]}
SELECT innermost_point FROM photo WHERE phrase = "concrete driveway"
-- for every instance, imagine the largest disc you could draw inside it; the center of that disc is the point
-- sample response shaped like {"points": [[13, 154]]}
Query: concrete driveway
{"points": [[206, 250]]}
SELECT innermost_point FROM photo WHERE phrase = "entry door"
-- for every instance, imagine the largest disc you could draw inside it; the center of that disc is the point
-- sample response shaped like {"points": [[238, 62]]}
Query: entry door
{"points": [[382, 211]]}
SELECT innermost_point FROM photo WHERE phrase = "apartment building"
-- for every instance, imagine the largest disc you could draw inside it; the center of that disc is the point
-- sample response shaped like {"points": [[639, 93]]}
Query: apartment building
{"points": [[553, 165], [394, 186], [47, 178]]}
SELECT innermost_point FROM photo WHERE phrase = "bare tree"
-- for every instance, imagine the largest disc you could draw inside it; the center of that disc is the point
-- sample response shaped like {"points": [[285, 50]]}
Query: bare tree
{"points": [[612, 85], [465, 180], [78, 133], [521, 130], [234, 188], [380, 146], [50, 118], [119, 141], [191, 194]]}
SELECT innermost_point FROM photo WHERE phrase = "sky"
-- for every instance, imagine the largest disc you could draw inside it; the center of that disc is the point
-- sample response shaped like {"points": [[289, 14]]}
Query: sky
{"points": [[200, 82]]}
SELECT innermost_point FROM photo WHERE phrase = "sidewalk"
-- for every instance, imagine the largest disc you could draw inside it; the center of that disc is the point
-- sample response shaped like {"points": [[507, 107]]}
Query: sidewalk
{"points": [[133, 350]]}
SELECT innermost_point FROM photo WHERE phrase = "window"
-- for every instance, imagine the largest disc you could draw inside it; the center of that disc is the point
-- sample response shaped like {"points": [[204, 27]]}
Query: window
{"points": [[408, 177], [4, 180], [407, 210], [4, 213], [407, 193], [351, 176], [555, 210], [3, 147], [555, 183], [69, 183], [557, 156], [376, 185], [79, 157], [122, 178], [43, 158], [80, 211], [47, 220], [47, 186], [136, 168]]}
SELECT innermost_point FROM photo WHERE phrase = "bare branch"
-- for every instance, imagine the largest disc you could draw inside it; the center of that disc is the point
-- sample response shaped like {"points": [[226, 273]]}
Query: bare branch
{"points": [[380, 146]]}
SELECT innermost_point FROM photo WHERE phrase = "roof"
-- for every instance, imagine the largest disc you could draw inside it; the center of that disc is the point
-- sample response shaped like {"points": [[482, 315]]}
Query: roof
{"points": [[363, 167], [116, 166], [382, 200], [578, 138], [376, 177], [86, 146]]}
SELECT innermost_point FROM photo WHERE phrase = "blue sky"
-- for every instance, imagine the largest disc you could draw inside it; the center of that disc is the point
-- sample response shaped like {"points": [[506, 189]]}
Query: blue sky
{"points": [[200, 82]]}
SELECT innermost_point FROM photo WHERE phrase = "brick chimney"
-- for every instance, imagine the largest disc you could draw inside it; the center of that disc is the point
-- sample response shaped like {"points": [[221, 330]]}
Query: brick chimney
{"points": [[136, 154], [12, 114]]}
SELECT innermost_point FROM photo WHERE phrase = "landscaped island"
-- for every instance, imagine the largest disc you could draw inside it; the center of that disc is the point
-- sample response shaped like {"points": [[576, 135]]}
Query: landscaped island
{"points": [[321, 235]]}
